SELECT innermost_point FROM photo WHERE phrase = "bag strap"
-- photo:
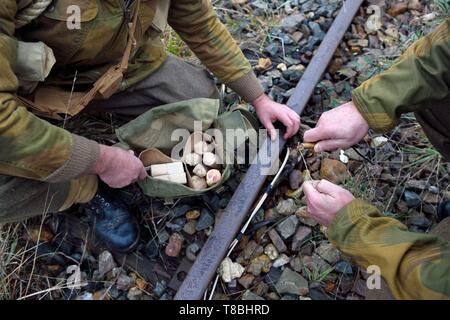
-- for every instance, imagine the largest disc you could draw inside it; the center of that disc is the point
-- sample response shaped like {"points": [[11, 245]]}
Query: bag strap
{"points": [[105, 86]]}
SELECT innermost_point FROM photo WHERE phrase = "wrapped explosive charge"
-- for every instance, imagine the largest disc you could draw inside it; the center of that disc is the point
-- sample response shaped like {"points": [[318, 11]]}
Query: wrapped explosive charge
{"points": [[213, 177], [202, 147], [211, 160], [198, 183], [200, 170], [193, 159]]}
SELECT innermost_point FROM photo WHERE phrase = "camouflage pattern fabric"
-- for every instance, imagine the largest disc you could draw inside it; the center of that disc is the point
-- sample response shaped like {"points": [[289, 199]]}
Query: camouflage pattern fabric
{"points": [[414, 265], [33, 148]]}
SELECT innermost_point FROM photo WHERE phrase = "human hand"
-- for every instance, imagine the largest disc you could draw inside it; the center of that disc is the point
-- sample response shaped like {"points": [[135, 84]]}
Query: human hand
{"points": [[269, 111], [325, 199], [118, 168], [339, 128]]}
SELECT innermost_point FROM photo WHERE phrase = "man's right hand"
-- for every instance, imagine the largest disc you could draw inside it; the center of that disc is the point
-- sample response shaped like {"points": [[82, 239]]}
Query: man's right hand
{"points": [[118, 168], [339, 128]]}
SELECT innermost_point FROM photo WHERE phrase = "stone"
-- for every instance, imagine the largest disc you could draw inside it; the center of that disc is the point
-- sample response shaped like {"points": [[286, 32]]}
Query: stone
{"points": [[281, 261], [378, 142], [398, 9], [248, 295], [290, 23], [134, 294], [261, 288], [85, 296], [271, 251], [160, 288], [151, 249], [295, 179], [299, 237], [277, 241], [304, 217], [124, 282], [286, 207], [333, 171], [163, 237], [205, 221], [344, 267], [291, 282], [259, 264], [412, 199], [252, 250], [263, 64], [190, 227], [175, 244], [192, 250], [105, 263], [192, 214], [315, 263], [229, 270], [329, 253], [246, 280], [287, 227]]}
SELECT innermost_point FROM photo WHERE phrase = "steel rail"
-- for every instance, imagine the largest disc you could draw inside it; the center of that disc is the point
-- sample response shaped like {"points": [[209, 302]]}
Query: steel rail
{"points": [[234, 215]]}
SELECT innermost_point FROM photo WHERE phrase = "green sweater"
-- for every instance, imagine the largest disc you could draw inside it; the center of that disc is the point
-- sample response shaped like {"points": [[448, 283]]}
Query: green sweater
{"points": [[414, 265], [33, 148]]}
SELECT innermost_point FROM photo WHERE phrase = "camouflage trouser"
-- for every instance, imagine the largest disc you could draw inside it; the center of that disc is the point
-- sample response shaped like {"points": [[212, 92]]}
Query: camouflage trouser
{"points": [[174, 81]]}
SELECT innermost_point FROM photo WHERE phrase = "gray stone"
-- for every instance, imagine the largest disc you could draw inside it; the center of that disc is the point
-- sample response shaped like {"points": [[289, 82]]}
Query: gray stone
{"points": [[299, 237], [281, 261], [105, 263], [160, 288], [248, 295], [277, 241], [344, 267], [124, 282], [192, 250], [412, 199], [287, 227], [329, 253], [291, 282], [295, 179], [205, 221], [291, 22], [286, 207], [163, 236]]}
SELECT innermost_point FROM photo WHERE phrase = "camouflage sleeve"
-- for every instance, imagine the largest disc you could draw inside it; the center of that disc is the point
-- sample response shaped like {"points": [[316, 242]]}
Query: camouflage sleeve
{"points": [[30, 147], [422, 74], [198, 25], [414, 265]]}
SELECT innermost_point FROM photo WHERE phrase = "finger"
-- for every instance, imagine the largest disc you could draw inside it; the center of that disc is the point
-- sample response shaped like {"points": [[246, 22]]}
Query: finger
{"points": [[326, 187], [271, 129], [330, 145], [296, 119], [143, 175], [131, 151], [316, 134], [284, 118], [310, 192]]}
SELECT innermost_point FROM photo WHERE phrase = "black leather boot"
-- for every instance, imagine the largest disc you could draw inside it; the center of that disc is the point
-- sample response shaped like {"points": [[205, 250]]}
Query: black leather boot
{"points": [[113, 224], [444, 210]]}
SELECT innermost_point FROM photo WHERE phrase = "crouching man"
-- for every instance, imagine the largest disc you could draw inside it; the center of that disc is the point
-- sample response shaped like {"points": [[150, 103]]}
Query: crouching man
{"points": [[116, 45], [414, 265]]}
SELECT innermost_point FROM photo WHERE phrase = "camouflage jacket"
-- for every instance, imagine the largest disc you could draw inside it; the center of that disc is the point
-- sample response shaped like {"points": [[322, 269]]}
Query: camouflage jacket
{"points": [[414, 265], [33, 148]]}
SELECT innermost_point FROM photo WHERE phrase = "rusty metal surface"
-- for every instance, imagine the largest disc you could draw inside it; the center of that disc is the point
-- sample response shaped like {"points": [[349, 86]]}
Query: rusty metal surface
{"points": [[212, 253]]}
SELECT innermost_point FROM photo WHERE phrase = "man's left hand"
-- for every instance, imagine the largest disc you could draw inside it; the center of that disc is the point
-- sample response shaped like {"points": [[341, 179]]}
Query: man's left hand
{"points": [[325, 199], [270, 111]]}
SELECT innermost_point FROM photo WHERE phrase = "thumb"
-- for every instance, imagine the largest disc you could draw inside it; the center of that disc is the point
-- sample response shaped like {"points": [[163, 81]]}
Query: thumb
{"points": [[330, 145], [315, 134], [326, 187], [309, 190], [143, 174]]}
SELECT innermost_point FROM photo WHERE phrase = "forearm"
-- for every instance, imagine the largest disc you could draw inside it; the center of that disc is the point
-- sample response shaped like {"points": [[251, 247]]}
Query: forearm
{"points": [[414, 265], [197, 24], [421, 75]]}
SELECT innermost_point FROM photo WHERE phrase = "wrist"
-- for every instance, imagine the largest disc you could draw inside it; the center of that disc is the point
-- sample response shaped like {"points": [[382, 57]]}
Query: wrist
{"points": [[259, 101], [99, 166]]}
